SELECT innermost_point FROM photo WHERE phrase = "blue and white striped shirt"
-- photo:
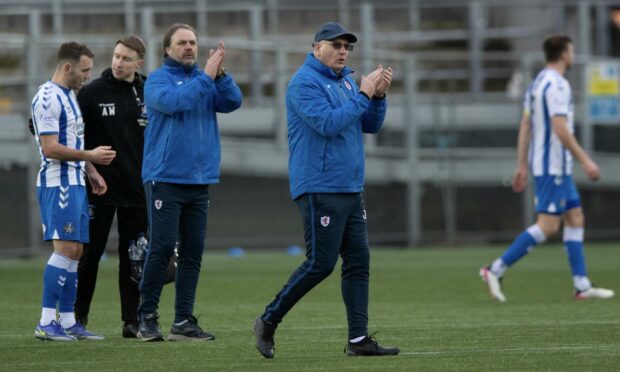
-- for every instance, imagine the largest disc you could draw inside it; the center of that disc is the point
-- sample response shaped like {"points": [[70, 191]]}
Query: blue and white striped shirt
{"points": [[549, 95], [55, 111]]}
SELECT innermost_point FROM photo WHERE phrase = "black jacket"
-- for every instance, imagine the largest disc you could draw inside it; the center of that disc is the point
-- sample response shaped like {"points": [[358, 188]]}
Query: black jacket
{"points": [[111, 118]]}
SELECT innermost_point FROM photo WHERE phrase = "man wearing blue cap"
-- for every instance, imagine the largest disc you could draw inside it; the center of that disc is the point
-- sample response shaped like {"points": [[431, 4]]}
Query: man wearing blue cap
{"points": [[327, 114]]}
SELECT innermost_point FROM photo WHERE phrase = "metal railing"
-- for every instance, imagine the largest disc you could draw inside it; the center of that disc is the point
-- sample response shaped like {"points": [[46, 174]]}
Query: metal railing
{"points": [[433, 92]]}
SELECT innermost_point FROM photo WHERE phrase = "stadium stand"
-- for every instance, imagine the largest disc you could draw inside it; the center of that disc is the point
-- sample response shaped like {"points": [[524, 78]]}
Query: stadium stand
{"points": [[448, 147]]}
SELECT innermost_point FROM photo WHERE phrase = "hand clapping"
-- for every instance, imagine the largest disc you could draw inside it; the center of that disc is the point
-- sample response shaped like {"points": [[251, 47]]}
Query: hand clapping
{"points": [[215, 63], [369, 82], [377, 82], [384, 82]]}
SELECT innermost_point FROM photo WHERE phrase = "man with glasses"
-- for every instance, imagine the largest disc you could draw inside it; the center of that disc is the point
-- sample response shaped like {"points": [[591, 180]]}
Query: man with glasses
{"points": [[327, 114]]}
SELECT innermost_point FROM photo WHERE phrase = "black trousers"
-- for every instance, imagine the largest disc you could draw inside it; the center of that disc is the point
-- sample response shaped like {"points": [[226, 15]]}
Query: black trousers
{"points": [[334, 224], [131, 222]]}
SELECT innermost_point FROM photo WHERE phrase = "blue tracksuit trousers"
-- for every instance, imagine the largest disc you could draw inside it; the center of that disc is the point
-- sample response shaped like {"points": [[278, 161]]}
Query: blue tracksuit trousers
{"points": [[334, 224], [173, 210]]}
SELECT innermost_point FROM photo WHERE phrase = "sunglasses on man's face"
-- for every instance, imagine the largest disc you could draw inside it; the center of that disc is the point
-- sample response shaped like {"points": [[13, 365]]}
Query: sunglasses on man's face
{"points": [[338, 45]]}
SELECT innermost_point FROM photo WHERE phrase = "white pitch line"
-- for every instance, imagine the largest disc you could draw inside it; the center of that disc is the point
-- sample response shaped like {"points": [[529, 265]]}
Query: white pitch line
{"points": [[512, 349]]}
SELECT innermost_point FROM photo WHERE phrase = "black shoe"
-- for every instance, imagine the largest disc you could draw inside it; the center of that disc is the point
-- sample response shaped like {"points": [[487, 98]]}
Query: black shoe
{"points": [[264, 332], [130, 330], [148, 330], [189, 331], [369, 347]]}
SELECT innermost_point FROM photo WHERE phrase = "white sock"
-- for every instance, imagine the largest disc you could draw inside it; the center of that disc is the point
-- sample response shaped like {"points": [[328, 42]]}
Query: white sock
{"points": [[47, 315], [357, 339], [537, 233], [581, 283], [498, 267], [66, 320]]}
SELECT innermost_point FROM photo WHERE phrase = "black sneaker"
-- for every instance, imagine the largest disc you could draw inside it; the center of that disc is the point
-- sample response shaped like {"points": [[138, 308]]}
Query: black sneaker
{"points": [[148, 329], [130, 330], [369, 347], [189, 330], [264, 332]]}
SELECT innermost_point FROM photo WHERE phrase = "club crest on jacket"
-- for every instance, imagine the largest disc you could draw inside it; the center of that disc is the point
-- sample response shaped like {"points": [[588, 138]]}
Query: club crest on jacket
{"points": [[325, 221]]}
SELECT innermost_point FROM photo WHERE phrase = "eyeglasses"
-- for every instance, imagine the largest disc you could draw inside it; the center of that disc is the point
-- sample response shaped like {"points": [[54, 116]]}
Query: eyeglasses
{"points": [[338, 45]]}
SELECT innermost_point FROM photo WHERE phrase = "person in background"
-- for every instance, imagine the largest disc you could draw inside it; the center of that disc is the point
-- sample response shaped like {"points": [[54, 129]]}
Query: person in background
{"points": [[114, 113], [546, 138]]}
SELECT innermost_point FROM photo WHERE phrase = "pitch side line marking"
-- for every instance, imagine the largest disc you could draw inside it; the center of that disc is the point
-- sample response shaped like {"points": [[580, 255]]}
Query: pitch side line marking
{"points": [[549, 348]]}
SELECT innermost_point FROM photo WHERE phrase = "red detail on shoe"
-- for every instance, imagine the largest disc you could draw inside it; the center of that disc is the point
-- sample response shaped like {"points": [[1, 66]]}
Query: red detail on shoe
{"points": [[485, 277]]}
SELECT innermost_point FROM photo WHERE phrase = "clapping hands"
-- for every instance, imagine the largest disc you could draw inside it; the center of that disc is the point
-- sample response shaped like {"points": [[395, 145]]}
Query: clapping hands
{"points": [[377, 82], [215, 63], [384, 82]]}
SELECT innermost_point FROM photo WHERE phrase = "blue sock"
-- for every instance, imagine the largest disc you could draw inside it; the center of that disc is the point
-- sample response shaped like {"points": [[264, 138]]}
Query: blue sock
{"points": [[54, 279], [522, 244], [67, 296], [573, 243]]}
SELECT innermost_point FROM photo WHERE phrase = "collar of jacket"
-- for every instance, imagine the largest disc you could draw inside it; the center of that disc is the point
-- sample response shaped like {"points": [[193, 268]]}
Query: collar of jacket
{"points": [[317, 65], [176, 65], [138, 79]]}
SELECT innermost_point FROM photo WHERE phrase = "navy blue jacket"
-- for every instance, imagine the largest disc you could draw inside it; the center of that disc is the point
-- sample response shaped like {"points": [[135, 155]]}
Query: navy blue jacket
{"points": [[326, 118], [182, 140]]}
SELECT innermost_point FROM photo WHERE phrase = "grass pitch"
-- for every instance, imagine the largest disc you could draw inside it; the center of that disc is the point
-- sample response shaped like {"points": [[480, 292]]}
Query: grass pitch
{"points": [[429, 302]]}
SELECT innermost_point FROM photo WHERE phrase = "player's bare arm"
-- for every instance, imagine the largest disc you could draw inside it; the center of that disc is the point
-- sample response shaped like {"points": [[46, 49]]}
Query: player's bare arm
{"points": [[97, 183], [519, 180], [54, 150], [560, 127]]}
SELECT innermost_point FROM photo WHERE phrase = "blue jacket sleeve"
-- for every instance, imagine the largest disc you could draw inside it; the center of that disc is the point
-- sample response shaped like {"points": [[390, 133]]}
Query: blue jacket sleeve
{"points": [[163, 95], [228, 97], [373, 118], [310, 103]]}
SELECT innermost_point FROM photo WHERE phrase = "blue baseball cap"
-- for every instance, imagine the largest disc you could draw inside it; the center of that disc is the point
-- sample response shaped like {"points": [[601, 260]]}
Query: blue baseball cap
{"points": [[333, 30]]}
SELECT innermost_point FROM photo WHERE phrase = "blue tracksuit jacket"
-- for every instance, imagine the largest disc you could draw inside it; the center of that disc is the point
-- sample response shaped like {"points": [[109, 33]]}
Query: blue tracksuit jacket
{"points": [[326, 118], [182, 140]]}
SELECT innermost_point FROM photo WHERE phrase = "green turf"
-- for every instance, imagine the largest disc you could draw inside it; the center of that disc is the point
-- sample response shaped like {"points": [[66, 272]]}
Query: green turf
{"points": [[429, 302]]}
